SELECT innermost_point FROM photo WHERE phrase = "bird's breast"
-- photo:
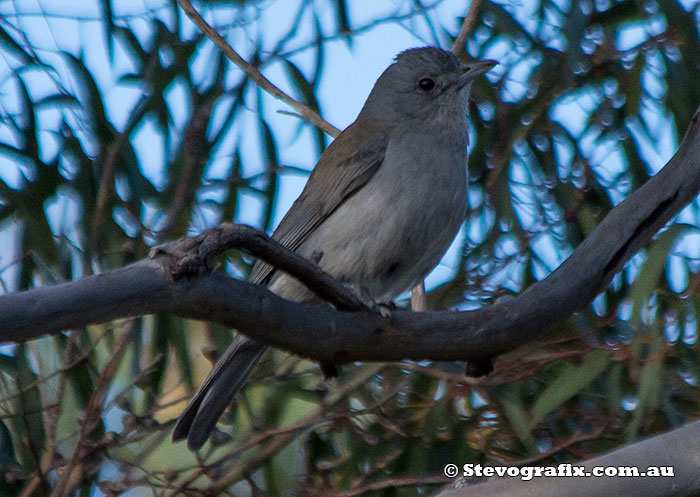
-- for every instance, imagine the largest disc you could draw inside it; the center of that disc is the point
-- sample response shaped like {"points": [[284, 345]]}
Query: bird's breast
{"points": [[391, 232]]}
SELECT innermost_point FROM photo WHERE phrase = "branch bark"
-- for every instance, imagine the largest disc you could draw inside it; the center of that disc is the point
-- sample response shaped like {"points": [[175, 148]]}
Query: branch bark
{"points": [[327, 335], [253, 73], [467, 27]]}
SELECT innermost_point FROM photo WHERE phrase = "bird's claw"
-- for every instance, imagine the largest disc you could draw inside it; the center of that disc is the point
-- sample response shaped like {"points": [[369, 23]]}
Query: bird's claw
{"points": [[383, 308]]}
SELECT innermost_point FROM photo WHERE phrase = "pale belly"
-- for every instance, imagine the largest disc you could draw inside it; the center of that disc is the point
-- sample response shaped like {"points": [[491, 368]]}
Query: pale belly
{"points": [[384, 243]]}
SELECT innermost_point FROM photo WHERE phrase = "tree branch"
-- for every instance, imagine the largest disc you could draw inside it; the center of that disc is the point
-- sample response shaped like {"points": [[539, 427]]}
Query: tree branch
{"points": [[467, 26], [326, 335], [253, 73], [191, 256]]}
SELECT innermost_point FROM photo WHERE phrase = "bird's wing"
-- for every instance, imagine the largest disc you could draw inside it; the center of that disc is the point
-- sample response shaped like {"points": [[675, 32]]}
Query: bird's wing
{"points": [[332, 181]]}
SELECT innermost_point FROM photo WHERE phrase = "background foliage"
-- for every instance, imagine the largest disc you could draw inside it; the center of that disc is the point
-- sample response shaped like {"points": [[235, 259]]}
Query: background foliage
{"points": [[588, 102]]}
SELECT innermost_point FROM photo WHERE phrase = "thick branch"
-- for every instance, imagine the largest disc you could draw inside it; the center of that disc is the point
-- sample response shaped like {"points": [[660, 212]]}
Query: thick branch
{"points": [[331, 336]]}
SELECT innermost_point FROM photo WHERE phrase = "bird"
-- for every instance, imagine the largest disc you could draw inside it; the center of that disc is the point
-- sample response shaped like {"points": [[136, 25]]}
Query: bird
{"points": [[379, 209]]}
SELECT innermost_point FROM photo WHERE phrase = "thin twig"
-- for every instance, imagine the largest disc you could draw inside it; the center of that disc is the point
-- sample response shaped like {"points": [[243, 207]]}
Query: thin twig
{"points": [[91, 417], [406, 481], [467, 26], [282, 437], [106, 189], [329, 401], [192, 160], [253, 73]]}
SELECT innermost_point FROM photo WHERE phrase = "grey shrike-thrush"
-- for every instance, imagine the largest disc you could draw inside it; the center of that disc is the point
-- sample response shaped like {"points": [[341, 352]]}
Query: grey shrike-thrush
{"points": [[379, 210]]}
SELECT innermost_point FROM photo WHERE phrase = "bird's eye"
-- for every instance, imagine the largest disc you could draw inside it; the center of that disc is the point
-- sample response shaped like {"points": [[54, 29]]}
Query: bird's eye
{"points": [[426, 84]]}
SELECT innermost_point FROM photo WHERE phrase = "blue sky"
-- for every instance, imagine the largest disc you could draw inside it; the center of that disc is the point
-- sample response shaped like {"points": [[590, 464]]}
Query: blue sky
{"points": [[349, 73]]}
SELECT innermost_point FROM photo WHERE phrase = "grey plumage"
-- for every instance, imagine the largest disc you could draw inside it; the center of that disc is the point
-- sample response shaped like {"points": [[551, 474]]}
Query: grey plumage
{"points": [[378, 211]]}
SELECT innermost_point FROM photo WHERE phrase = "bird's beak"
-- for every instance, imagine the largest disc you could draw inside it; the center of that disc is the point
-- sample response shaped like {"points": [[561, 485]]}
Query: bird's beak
{"points": [[472, 69]]}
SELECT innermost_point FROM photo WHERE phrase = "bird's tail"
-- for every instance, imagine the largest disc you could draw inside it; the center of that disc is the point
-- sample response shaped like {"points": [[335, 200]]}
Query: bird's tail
{"points": [[217, 392]]}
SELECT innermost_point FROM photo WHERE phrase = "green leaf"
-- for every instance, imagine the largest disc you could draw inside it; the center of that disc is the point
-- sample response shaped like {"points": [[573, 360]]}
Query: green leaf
{"points": [[307, 91], [8, 43], [27, 407], [343, 20], [569, 381], [91, 97], [58, 100], [108, 25], [29, 130], [650, 387], [271, 156], [512, 402], [618, 13], [132, 44], [647, 281], [8, 364]]}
